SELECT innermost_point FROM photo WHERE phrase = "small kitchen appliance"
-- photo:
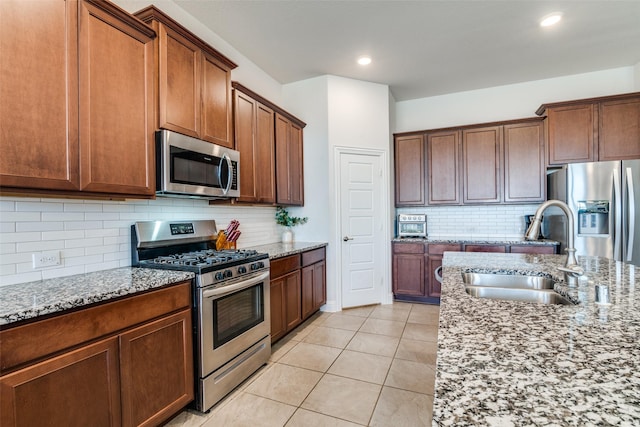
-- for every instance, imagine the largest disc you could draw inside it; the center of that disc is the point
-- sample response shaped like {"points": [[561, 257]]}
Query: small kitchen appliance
{"points": [[412, 225], [192, 168], [231, 300]]}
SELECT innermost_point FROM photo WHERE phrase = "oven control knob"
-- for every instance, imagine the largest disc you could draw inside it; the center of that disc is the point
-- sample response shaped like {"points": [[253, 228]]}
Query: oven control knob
{"points": [[254, 266], [242, 270], [228, 274], [261, 264], [219, 275]]}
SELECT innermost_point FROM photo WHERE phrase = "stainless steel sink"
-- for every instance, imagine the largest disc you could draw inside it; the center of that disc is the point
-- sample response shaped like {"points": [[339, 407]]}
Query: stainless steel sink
{"points": [[507, 281], [541, 296]]}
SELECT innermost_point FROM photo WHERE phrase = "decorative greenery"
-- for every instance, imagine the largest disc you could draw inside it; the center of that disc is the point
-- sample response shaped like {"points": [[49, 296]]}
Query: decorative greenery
{"points": [[283, 218]]}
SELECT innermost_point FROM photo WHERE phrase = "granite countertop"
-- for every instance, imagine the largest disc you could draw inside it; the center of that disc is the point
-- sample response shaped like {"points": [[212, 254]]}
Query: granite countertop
{"points": [[503, 363], [486, 241], [279, 250], [25, 301]]}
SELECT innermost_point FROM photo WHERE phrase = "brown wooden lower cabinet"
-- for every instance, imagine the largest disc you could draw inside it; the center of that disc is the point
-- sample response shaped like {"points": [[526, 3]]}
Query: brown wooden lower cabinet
{"points": [[298, 289], [139, 375], [433, 285], [78, 388], [314, 290], [292, 300], [156, 363], [414, 266], [409, 274], [278, 325], [436, 252]]}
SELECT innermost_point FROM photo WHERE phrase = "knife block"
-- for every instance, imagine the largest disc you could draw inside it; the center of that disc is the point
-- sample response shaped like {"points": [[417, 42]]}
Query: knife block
{"points": [[222, 242]]}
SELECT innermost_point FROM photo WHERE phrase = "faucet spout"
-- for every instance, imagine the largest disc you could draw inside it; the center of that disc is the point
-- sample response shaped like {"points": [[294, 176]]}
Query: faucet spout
{"points": [[571, 268]]}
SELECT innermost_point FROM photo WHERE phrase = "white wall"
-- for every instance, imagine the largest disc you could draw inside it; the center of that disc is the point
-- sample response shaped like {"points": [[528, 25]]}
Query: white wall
{"points": [[358, 118], [343, 113], [636, 77], [508, 102], [309, 99]]}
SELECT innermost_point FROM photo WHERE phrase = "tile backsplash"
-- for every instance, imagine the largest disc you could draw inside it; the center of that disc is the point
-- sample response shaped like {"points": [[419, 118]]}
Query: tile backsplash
{"points": [[94, 235], [475, 222]]}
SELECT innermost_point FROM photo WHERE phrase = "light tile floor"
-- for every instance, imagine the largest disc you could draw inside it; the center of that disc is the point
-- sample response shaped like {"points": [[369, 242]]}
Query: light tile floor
{"points": [[367, 366]]}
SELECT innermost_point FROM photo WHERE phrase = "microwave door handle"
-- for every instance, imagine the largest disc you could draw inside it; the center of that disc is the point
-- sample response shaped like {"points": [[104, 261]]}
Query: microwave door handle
{"points": [[225, 158], [631, 213]]}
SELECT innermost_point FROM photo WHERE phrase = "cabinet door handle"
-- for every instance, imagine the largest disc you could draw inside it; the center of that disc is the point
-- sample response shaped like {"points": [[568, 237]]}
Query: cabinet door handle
{"points": [[347, 238]]}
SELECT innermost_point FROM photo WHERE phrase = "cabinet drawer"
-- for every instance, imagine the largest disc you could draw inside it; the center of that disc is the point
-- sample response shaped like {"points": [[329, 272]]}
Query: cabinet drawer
{"points": [[282, 266], [442, 248], [533, 249], [313, 256], [44, 337], [408, 248], [485, 248]]}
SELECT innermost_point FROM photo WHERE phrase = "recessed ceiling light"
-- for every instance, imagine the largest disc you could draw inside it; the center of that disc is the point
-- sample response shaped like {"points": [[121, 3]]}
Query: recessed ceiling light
{"points": [[364, 60], [551, 19]]}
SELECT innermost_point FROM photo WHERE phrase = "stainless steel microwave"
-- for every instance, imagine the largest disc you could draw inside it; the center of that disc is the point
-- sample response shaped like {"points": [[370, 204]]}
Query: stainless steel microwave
{"points": [[189, 167]]}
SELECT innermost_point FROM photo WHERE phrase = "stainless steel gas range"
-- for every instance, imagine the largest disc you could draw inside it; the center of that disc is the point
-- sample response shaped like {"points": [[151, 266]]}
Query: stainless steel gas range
{"points": [[231, 300]]}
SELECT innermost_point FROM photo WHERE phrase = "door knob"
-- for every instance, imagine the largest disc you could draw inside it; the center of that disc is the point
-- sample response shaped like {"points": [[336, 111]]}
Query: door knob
{"points": [[347, 238]]}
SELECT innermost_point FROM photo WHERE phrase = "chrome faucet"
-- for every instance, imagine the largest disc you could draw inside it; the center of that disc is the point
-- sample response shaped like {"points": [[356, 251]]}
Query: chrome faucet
{"points": [[571, 268]]}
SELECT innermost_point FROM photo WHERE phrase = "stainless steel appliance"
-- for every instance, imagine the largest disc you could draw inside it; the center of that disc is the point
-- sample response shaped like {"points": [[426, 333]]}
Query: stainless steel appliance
{"points": [[412, 225], [189, 167], [605, 200], [232, 323]]}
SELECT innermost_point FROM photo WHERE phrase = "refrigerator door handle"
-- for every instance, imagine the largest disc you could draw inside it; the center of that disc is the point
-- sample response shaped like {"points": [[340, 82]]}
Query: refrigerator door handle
{"points": [[617, 245], [631, 214]]}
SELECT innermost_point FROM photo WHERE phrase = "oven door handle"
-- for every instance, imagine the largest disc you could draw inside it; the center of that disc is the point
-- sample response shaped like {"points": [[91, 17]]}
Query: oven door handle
{"points": [[245, 283]]}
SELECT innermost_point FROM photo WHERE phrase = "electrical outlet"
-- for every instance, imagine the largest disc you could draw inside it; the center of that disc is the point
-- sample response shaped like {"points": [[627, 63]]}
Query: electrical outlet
{"points": [[46, 259]]}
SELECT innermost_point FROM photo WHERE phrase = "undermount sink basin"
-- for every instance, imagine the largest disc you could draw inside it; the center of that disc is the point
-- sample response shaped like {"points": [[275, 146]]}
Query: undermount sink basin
{"points": [[541, 296], [507, 281]]}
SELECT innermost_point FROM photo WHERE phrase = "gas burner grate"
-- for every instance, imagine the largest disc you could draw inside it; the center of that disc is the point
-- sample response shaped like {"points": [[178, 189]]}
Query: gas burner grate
{"points": [[204, 257]]}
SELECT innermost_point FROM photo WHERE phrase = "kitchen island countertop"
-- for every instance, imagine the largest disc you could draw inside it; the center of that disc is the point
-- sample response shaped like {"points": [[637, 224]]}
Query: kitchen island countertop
{"points": [[503, 363]]}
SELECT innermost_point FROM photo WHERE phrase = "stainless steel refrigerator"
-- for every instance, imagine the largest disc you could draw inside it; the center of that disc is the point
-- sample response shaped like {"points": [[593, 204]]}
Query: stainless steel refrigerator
{"points": [[605, 200]]}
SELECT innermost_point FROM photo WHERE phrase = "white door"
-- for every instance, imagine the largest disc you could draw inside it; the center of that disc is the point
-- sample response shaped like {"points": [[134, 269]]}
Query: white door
{"points": [[361, 214]]}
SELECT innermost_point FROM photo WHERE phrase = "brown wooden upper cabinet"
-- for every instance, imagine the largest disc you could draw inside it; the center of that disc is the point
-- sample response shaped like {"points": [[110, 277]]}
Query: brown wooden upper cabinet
{"points": [[254, 132], [410, 172], [524, 164], [481, 156], [79, 119], [443, 167], [269, 140], [494, 163], [289, 157], [596, 129], [194, 82]]}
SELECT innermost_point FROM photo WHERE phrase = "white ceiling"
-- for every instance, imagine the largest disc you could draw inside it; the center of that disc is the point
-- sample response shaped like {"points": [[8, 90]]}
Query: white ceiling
{"points": [[424, 48]]}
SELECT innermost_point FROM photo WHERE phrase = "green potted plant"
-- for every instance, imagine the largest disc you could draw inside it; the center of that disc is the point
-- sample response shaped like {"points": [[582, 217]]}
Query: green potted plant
{"points": [[283, 218]]}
